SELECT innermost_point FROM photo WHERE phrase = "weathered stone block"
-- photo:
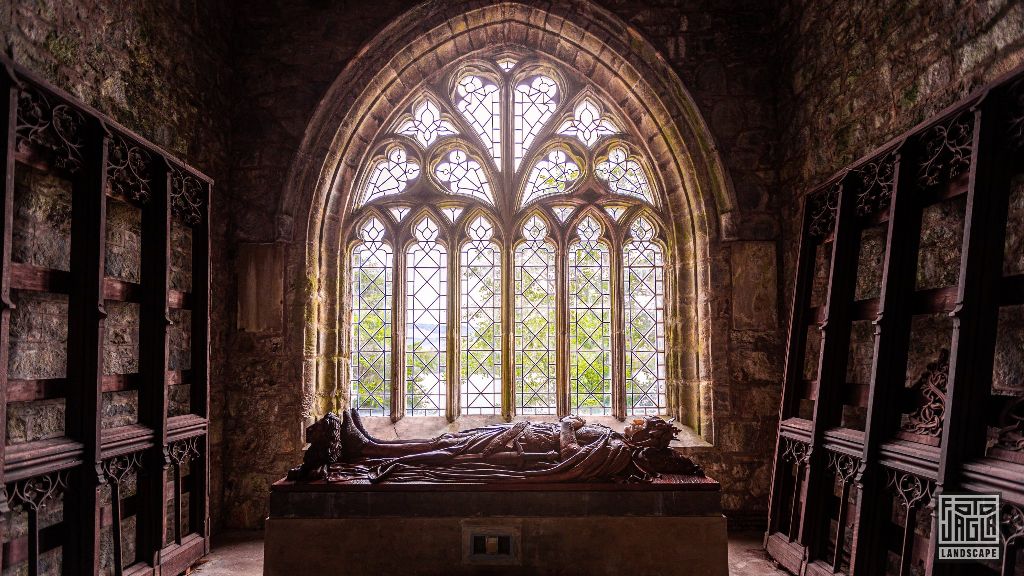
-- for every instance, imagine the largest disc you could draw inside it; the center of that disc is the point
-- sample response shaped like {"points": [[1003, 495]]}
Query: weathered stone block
{"points": [[124, 241], [179, 340], [30, 421], [1013, 251], [181, 257], [38, 337], [754, 305], [870, 261], [42, 220], [942, 228], [121, 338]]}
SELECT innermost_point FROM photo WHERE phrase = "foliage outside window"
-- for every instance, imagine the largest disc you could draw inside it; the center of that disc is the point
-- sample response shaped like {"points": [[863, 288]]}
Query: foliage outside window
{"points": [[507, 254]]}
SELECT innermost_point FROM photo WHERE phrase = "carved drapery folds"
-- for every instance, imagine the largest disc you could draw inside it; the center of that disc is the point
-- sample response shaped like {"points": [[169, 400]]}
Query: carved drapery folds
{"points": [[823, 206], [187, 194], [129, 170], [877, 179], [946, 150], [930, 389], [38, 491], [54, 130]]}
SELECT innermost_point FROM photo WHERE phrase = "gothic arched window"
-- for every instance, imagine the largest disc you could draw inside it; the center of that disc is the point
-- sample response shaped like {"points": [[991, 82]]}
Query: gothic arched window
{"points": [[507, 253]]}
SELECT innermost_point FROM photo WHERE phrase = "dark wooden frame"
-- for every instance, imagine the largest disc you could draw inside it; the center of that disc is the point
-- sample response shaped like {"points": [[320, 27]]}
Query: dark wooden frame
{"points": [[102, 160], [970, 151]]}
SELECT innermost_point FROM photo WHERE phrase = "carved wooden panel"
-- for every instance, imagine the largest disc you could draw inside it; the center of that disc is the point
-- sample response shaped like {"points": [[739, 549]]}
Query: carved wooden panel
{"points": [[103, 317], [904, 369]]}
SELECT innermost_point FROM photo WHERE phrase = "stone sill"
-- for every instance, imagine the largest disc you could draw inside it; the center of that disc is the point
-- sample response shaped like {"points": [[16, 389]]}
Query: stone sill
{"points": [[430, 426]]}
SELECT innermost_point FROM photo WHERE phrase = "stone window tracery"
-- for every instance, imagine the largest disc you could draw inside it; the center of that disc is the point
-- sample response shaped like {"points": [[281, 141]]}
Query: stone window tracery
{"points": [[522, 273]]}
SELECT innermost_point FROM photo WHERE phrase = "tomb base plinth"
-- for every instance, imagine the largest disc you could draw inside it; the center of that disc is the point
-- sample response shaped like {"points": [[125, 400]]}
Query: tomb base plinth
{"points": [[671, 526]]}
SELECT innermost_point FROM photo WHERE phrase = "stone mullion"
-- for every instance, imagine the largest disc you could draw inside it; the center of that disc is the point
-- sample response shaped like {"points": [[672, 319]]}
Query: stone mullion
{"points": [[562, 352], [508, 330], [452, 350], [975, 314], [398, 330], [617, 339]]}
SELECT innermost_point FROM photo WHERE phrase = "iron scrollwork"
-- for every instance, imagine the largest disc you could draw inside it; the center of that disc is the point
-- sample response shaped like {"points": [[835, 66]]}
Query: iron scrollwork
{"points": [[930, 387], [947, 149], [878, 178], [186, 196], [795, 451], [116, 469], [823, 207], [913, 490], [183, 451], [58, 130], [37, 492], [129, 170], [843, 465]]}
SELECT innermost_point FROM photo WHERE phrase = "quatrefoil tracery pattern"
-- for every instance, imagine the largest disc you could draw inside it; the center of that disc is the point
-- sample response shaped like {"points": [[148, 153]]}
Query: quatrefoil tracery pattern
{"points": [[444, 207]]}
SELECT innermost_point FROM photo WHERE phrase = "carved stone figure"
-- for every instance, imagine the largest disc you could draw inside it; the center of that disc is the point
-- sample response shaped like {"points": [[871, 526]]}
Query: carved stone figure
{"points": [[567, 451]]}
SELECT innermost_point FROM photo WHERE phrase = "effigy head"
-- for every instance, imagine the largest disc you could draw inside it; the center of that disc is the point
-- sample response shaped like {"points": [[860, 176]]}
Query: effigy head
{"points": [[651, 432]]}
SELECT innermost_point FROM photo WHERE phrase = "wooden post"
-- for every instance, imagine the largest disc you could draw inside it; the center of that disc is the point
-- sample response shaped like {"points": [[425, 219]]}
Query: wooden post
{"points": [[154, 322], [86, 318]]}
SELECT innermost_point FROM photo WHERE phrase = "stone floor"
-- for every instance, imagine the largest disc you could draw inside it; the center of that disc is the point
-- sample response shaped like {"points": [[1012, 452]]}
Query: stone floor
{"points": [[241, 554]]}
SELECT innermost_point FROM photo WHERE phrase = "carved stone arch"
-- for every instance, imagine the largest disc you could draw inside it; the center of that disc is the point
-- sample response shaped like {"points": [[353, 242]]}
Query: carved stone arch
{"points": [[696, 190]]}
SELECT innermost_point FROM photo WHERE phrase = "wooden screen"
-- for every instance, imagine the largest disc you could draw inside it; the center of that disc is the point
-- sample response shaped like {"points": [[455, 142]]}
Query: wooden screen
{"points": [[103, 343], [905, 368]]}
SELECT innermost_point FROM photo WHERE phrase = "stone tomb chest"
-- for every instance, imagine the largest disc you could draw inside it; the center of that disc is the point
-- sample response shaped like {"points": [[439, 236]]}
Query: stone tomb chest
{"points": [[672, 525], [513, 498]]}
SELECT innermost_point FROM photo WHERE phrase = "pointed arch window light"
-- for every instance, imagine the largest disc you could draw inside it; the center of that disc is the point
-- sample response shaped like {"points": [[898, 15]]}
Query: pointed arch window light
{"points": [[504, 152]]}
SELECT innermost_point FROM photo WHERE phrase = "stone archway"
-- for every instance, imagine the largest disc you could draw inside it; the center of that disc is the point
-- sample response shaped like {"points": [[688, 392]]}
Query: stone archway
{"points": [[315, 203]]}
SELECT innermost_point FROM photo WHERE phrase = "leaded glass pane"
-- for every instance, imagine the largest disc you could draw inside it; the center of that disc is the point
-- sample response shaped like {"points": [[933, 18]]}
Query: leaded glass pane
{"points": [[426, 322], [399, 212], [390, 175], [644, 277], [590, 382], [464, 176], [551, 175], [370, 364], [533, 104], [480, 104], [562, 212], [587, 123], [506, 64], [624, 175], [534, 322], [426, 124], [481, 321]]}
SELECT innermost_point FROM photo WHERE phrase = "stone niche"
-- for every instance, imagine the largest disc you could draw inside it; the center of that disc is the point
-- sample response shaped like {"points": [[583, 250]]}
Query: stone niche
{"points": [[673, 525]]}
